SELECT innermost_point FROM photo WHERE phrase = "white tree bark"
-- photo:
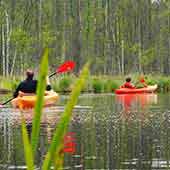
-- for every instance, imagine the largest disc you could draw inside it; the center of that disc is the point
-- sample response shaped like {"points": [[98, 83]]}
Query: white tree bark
{"points": [[3, 51], [63, 53], [139, 57], [40, 18], [123, 57], [13, 63], [39, 29], [7, 42]]}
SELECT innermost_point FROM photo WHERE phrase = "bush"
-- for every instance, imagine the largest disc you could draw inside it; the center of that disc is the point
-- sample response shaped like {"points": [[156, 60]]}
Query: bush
{"points": [[88, 86], [8, 83], [97, 85], [65, 84], [110, 85], [55, 86], [163, 85], [151, 82], [14, 84]]}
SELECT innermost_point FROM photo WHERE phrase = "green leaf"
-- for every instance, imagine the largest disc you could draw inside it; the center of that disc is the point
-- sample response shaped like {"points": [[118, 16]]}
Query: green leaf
{"points": [[27, 147], [40, 100], [60, 131]]}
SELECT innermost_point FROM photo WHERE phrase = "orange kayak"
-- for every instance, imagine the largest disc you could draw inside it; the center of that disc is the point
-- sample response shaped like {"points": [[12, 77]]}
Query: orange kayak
{"points": [[148, 89], [28, 101]]}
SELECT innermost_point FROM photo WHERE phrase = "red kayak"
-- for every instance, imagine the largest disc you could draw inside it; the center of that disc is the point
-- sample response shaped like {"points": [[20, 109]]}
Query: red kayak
{"points": [[148, 89]]}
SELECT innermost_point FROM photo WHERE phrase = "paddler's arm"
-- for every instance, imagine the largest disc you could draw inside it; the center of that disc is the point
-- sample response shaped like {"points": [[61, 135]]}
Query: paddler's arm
{"points": [[15, 94], [48, 87]]}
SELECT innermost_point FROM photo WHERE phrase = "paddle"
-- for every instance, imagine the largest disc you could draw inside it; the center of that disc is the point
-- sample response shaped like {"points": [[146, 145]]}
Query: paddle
{"points": [[63, 68]]}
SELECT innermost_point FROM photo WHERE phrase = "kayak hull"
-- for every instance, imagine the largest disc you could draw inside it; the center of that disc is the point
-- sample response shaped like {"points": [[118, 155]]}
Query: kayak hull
{"points": [[26, 102], [148, 89]]}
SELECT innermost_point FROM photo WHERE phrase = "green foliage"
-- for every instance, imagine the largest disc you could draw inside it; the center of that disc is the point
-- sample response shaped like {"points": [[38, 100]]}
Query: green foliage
{"points": [[55, 85], [47, 36], [88, 86], [110, 85], [5, 83], [65, 119], [14, 84], [164, 84], [20, 39], [9, 83], [95, 27], [39, 105], [139, 85], [27, 147], [148, 57], [53, 155], [97, 85], [100, 84], [30, 148], [150, 81], [65, 84], [134, 48]]}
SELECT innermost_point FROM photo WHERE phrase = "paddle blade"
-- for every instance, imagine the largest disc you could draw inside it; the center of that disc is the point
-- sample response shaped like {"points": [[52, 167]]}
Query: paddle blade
{"points": [[66, 67]]}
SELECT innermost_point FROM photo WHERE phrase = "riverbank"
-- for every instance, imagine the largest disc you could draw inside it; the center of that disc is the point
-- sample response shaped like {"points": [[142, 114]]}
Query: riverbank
{"points": [[95, 84]]}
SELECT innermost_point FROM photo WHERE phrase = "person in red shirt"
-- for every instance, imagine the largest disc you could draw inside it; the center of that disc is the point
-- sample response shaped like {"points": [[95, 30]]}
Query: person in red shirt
{"points": [[142, 80], [128, 84], [141, 83]]}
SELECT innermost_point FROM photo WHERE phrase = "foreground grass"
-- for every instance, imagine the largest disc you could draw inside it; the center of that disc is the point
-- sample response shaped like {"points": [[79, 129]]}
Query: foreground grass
{"points": [[53, 156]]}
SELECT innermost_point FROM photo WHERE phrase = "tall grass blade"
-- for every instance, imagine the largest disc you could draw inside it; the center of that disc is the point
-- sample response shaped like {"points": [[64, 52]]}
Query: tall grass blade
{"points": [[39, 103], [60, 131], [27, 147]]}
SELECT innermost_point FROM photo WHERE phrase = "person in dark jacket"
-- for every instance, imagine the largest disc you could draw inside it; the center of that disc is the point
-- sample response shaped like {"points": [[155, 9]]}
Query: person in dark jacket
{"points": [[29, 85]]}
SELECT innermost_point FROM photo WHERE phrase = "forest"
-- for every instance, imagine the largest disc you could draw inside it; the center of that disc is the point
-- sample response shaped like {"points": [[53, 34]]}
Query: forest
{"points": [[118, 36]]}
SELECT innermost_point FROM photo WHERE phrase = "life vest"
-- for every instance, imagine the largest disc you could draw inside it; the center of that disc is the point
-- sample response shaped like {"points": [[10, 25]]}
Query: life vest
{"points": [[128, 85]]}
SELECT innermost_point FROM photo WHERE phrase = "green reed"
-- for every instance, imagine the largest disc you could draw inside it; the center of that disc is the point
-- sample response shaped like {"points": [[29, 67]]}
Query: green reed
{"points": [[53, 156]]}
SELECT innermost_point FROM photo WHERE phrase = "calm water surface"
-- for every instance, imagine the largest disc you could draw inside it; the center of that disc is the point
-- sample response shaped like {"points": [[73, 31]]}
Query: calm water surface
{"points": [[129, 132]]}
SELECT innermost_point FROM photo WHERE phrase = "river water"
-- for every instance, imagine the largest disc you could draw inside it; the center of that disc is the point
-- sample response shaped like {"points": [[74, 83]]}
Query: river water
{"points": [[111, 132]]}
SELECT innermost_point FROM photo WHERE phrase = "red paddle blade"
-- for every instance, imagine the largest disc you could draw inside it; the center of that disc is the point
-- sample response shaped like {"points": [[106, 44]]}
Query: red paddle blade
{"points": [[66, 67]]}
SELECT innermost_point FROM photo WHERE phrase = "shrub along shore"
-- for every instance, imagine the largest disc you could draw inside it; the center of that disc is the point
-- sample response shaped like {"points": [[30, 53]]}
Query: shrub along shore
{"points": [[95, 84]]}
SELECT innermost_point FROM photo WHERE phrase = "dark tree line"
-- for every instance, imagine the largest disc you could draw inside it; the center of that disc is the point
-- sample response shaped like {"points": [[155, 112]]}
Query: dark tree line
{"points": [[118, 36]]}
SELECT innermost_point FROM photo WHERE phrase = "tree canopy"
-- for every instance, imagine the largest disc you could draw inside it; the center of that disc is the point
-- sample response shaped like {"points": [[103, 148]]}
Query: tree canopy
{"points": [[118, 36]]}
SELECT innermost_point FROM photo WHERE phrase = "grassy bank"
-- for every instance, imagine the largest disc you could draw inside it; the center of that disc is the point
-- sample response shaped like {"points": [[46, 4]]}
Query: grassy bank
{"points": [[106, 84], [9, 83], [95, 84]]}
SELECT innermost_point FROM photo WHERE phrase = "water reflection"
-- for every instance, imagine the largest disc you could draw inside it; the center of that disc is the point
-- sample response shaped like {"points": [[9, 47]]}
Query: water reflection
{"points": [[130, 102], [11, 155], [108, 137]]}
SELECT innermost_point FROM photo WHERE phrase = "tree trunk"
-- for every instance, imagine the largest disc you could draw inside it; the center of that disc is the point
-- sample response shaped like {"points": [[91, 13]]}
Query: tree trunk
{"points": [[123, 57], [63, 50], [7, 42], [13, 63], [139, 58], [39, 30], [3, 51]]}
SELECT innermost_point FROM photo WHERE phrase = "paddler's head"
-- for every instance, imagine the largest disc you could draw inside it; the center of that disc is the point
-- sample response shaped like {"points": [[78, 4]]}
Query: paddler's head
{"points": [[128, 79], [29, 74]]}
